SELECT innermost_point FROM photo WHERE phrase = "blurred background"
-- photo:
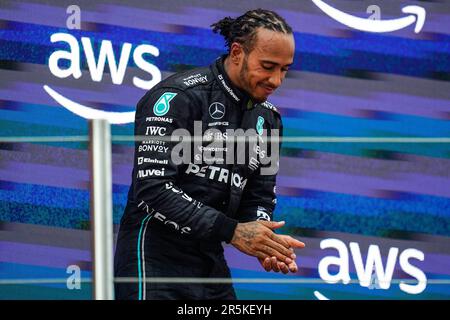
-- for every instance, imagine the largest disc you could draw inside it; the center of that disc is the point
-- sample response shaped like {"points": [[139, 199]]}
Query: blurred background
{"points": [[339, 197]]}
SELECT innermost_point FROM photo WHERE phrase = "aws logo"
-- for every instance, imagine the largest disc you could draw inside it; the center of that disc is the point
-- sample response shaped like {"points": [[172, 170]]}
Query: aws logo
{"points": [[415, 15], [96, 63], [371, 273], [96, 67]]}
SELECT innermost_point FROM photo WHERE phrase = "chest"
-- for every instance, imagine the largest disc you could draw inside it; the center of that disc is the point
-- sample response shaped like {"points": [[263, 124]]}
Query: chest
{"points": [[227, 144]]}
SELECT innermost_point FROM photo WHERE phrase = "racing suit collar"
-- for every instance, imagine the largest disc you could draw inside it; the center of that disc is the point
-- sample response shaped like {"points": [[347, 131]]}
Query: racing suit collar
{"points": [[240, 97]]}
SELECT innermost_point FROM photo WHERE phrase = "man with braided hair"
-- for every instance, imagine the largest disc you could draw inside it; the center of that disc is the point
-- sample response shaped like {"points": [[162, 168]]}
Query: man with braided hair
{"points": [[178, 215]]}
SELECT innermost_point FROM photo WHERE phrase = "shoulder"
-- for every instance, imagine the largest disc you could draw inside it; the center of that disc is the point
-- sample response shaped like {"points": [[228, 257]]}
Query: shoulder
{"points": [[184, 81], [271, 114], [270, 106], [178, 89], [188, 83]]}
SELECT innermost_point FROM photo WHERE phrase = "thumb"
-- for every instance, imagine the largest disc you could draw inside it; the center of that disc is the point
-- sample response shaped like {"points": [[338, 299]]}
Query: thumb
{"points": [[272, 224]]}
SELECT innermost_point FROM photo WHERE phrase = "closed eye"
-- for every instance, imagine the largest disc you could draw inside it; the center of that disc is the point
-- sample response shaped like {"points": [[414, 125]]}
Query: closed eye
{"points": [[268, 67]]}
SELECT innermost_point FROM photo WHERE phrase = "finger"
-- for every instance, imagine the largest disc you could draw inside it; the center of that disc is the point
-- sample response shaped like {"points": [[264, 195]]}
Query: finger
{"points": [[266, 250], [259, 254], [293, 267], [283, 267], [275, 237], [275, 264], [267, 264], [282, 250], [296, 244], [292, 241], [272, 224]]}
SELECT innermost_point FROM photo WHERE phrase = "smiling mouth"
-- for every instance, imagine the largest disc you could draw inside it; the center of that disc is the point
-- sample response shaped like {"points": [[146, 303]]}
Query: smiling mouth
{"points": [[267, 89]]}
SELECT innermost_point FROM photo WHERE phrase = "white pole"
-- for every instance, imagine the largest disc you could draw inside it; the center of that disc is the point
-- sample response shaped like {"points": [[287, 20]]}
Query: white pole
{"points": [[101, 209]]}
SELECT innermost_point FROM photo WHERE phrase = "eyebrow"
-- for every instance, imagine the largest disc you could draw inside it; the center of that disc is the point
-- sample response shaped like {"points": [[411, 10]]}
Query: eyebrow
{"points": [[274, 63]]}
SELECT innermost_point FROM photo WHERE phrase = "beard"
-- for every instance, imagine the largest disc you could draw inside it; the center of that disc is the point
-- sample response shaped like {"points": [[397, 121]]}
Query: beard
{"points": [[244, 80]]}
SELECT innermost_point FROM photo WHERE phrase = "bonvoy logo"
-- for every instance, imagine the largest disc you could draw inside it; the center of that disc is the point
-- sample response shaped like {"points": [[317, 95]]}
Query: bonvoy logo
{"points": [[415, 15]]}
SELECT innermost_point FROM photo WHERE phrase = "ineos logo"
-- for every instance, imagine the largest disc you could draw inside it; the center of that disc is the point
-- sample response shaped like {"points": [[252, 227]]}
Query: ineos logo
{"points": [[216, 110]]}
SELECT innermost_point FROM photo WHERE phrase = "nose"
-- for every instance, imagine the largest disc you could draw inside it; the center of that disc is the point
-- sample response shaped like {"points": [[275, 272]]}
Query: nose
{"points": [[275, 79]]}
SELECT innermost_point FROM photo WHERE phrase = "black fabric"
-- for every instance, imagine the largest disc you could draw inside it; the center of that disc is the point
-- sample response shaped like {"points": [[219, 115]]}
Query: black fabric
{"points": [[191, 205], [168, 258]]}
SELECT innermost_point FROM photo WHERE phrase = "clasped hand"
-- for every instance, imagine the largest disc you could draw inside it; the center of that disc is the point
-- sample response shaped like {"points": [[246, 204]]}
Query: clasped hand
{"points": [[274, 251]]}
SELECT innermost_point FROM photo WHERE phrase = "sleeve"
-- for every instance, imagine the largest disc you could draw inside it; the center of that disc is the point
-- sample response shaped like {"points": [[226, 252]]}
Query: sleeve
{"points": [[259, 198], [155, 189]]}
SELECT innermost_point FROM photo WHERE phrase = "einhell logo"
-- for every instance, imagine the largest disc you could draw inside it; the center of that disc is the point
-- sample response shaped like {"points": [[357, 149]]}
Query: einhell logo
{"points": [[415, 15], [96, 66]]}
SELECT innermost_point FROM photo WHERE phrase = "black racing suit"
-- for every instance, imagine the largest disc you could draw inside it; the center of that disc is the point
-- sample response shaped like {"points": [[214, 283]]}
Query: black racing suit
{"points": [[178, 214]]}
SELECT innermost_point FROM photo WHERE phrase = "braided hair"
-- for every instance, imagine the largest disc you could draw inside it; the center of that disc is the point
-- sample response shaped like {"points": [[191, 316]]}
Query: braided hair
{"points": [[243, 29]]}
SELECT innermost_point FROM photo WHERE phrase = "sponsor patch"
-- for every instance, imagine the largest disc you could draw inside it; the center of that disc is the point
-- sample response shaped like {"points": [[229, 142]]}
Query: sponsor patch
{"points": [[162, 106]]}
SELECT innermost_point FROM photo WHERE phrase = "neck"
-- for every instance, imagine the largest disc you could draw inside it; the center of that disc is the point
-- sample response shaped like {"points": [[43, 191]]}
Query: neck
{"points": [[232, 72]]}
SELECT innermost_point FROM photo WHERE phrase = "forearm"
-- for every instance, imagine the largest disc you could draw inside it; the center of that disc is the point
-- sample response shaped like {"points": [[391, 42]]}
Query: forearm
{"points": [[176, 209]]}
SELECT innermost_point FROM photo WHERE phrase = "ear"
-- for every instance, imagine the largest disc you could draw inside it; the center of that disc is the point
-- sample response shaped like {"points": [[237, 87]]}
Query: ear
{"points": [[236, 53]]}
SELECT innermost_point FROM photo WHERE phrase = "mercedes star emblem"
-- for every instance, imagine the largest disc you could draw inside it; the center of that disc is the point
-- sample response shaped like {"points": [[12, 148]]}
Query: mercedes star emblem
{"points": [[216, 110]]}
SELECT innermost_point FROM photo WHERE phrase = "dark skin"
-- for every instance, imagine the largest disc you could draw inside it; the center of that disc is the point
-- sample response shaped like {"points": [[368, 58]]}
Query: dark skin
{"points": [[274, 251], [260, 72]]}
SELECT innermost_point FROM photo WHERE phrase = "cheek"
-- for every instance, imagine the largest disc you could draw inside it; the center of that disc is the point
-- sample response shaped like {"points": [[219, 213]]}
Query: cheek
{"points": [[251, 81], [258, 78]]}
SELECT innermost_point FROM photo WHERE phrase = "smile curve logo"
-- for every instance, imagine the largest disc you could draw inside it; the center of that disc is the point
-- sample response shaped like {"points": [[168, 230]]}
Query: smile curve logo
{"points": [[320, 296], [88, 112], [416, 15]]}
